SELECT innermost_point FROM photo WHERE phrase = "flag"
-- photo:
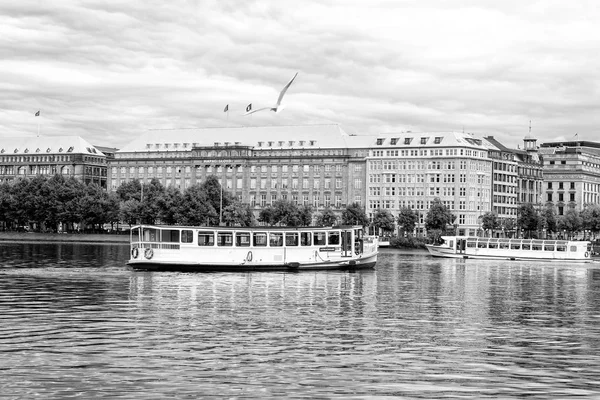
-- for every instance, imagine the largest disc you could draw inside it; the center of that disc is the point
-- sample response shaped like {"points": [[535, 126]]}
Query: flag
{"points": [[249, 107], [226, 108], [37, 114]]}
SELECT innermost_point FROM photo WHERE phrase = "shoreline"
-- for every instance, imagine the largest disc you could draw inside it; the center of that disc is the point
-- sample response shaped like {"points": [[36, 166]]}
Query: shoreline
{"points": [[63, 237]]}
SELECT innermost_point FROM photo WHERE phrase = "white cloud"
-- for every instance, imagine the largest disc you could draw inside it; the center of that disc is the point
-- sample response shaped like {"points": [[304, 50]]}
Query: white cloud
{"points": [[108, 72]]}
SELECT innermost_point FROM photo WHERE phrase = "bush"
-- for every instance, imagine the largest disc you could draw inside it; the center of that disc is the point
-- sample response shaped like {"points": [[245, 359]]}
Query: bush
{"points": [[407, 242]]}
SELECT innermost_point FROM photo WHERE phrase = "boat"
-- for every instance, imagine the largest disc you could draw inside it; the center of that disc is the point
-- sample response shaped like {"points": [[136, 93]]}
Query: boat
{"points": [[512, 249], [184, 248], [383, 241]]}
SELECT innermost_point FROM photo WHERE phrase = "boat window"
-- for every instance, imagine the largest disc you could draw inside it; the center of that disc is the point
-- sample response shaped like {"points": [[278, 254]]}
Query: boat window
{"points": [[548, 247], [242, 239], [150, 234], [260, 239], [224, 238], [526, 246], [503, 245], [482, 245], [493, 245], [574, 249], [206, 238], [561, 247], [187, 236], [334, 238], [135, 235], [515, 246], [320, 238], [169, 235], [471, 243], [276, 239], [291, 239], [536, 246], [305, 238]]}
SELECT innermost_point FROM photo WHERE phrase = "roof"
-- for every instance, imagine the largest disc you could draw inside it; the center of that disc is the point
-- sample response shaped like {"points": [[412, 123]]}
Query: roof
{"points": [[298, 136], [430, 139], [47, 145]]}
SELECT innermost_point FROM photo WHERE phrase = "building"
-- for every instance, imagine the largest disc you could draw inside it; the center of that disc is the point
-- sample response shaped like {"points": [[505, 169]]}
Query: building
{"points": [[412, 169], [571, 174], [71, 156], [316, 165]]}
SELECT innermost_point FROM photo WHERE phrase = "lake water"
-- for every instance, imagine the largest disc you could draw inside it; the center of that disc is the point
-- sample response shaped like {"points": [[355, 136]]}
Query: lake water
{"points": [[75, 321]]}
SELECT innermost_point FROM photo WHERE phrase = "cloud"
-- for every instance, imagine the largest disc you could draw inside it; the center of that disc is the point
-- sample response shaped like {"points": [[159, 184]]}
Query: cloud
{"points": [[110, 71]]}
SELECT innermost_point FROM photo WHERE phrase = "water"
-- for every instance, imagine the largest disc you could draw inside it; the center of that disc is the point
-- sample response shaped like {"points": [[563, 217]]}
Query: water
{"points": [[75, 321]]}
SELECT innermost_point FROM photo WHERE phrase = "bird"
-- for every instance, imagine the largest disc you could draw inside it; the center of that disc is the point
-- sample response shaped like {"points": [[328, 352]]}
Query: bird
{"points": [[277, 107]]}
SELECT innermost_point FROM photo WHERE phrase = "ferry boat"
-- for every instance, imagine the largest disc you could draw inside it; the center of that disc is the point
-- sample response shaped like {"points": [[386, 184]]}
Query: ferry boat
{"points": [[512, 249], [183, 248], [383, 241]]}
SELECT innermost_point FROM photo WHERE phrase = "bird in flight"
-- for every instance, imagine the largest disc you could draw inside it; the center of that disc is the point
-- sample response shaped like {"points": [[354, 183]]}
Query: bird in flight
{"points": [[277, 107]]}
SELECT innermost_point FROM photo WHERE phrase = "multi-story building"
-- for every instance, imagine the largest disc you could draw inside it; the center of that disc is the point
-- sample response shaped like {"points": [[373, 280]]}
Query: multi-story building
{"points": [[317, 165], [504, 179], [66, 155], [571, 174], [412, 169], [531, 173]]}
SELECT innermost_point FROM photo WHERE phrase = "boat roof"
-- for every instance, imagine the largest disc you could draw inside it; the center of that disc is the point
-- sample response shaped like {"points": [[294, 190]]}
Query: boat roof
{"points": [[490, 239], [252, 228]]}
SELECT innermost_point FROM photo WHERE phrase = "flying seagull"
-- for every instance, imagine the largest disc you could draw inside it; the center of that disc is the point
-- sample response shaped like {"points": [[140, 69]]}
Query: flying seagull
{"points": [[277, 107]]}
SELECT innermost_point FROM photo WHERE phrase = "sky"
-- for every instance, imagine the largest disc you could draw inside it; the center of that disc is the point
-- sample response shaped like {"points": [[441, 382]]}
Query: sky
{"points": [[109, 70]]}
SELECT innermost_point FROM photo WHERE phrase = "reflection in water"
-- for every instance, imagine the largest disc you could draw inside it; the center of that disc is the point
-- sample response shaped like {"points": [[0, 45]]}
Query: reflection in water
{"points": [[74, 320]]}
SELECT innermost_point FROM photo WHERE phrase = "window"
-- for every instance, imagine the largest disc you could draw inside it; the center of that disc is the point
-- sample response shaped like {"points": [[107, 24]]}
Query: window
{"points": [[291, 239], [187, 236], [260, 239], [305, 238], [276, 239], [380, 142], [333, 238], [224, 238], [169, 236], [424, 140], [242, 239], [407, 140], [320, 238], [206, 238]]}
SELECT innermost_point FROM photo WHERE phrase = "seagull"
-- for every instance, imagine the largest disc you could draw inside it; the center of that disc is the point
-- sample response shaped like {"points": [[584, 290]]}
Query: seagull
{"points": [[277, 107]]}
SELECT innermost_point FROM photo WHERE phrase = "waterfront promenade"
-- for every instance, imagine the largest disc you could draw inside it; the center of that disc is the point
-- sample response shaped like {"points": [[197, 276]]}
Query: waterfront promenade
{"points": [[63, 237]]}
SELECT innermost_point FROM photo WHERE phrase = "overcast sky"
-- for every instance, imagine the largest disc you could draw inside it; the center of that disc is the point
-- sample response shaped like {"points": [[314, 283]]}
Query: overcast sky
{"points": [[110, 70]]}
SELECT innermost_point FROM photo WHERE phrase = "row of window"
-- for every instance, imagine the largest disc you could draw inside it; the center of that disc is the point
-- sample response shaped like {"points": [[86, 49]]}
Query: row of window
{"points": [[520, 246], [243, 239]]}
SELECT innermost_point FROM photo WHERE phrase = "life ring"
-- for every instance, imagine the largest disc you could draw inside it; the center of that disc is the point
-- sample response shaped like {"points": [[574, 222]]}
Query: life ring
{"points": [[148, 253], [249, 256], [135, 252], [587, 254]]}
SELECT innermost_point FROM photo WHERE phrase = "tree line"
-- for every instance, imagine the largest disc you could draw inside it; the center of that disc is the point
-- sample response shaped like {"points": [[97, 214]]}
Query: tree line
{"points": [[59, 203]]}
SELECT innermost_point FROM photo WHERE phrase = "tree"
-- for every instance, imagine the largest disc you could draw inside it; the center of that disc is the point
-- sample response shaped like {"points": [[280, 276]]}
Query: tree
{"points": [[326, 218], [407, 220], [267, 215], [508, 225], [547, 219], [216, 196], [129, 211], [591, 218], [354, 214], [169, 205], [130, 190], [438, 216], [306, 215], [570, 222], [149, 204], [196, 208], [528, 218], [383, 220], [238, 214], [489, 221]]}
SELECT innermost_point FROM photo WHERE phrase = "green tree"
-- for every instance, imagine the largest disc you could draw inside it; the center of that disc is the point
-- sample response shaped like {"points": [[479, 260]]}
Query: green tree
{"points": [[267, 215], [383, 221], [571, 222], [354, 214], [490, 221], [590, 216], [129, 211], [238, 214], [170, 205], [508, 225], [438, 217], [130, 190], [528, 218], [306, 215], [196, 208], [407, 220], [326, 218], [216, 196], [150, 195]]}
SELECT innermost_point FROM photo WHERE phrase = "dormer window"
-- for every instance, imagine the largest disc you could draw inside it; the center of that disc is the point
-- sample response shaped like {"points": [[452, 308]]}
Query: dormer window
{"points": [[313, 142], [407, 140], [270, 144], [217, 144], [26, 150], [281, 143], [38, 150], [16, 150], [291, 143], [380, 142], [393, 141], [260, 144], [68, 151], [437, 140], [424, 140], [302, 143]]}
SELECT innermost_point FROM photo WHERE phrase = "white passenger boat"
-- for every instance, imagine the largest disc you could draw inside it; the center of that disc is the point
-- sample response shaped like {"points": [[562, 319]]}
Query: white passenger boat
{"points": [[246, 249], [383, 241], [512, 249]]}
